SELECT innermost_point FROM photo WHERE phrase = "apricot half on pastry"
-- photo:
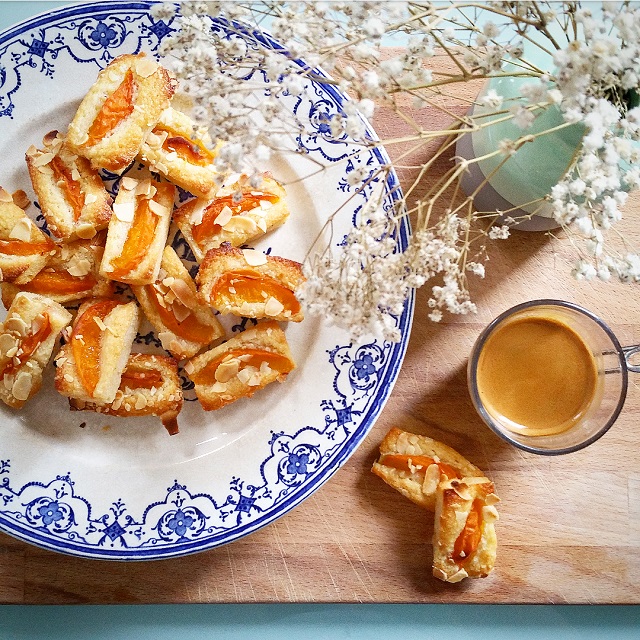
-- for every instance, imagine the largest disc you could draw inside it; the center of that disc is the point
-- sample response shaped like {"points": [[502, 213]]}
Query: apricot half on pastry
{"points": [[119, 110], [184, 324], [27, 339], [238, 214], [90, 365], [241, 366], [251, 284]]}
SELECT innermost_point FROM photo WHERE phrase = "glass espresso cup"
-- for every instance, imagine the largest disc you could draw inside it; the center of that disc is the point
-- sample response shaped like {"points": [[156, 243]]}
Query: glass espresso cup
{"points": [[549, 376]]}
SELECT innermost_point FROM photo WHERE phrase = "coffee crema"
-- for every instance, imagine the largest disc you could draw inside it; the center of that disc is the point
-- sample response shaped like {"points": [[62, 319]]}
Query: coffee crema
{"points": [[537, 376]]}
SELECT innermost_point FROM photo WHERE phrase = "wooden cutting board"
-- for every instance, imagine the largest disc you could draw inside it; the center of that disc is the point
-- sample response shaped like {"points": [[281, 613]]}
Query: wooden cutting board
{"points": [[569, 529]]}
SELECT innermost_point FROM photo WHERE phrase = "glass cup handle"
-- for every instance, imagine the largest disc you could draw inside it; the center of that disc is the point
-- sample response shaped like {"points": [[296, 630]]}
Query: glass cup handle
{"points": [[628, 353]]}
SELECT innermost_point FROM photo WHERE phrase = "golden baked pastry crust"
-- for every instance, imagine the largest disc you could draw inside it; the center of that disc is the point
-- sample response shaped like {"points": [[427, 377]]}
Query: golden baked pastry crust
{"points": [[419, 482], [159, 197], [29, 314], [160, 396], [219, 263], [116, 339], [58, 176], [153, 90], [175, 289], [240, 228], [464, 538], [237, 378], [78, 261], [16, 226], [181, 153]]}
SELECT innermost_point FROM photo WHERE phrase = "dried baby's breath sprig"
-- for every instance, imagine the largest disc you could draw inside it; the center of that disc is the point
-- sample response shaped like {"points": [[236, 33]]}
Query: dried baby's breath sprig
{"points": [[235, 75]]}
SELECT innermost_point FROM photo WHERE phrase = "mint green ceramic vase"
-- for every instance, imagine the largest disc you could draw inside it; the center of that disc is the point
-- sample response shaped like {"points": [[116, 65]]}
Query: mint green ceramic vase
{"points": [[521, 183]]}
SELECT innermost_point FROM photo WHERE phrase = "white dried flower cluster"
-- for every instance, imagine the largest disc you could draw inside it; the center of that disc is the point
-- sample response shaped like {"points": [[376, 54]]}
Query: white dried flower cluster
{"points": [[362, 283]]}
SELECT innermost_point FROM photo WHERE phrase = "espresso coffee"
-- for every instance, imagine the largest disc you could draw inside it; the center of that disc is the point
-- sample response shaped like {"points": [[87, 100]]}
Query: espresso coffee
{"points": [[536, 375]]}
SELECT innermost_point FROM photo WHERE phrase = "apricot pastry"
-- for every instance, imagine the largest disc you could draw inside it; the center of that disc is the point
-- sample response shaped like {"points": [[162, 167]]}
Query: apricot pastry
{"points": [[27, 338], [241, 366], [237, 214], [149, 386], [24, 249], [71, 274], [464, 538], [181, 153], [90, 364], [138, 231], [184, 324], [71, 194], [119, 111], [251, 284]]}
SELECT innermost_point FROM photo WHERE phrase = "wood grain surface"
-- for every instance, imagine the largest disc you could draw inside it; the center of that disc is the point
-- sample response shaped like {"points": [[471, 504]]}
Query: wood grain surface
{"points": [[569, 528]]}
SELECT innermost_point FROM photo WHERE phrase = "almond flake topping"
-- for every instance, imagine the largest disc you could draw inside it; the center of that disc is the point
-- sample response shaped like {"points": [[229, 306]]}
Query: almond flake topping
{"points": [[129, 183], [183, 293], [196, 215], [180, 312], [101, 325], [254, 258], [241, 224], [143, 188], [22, 386], [124, 211], [219, 387], [227, 370], [189, 368], [5, 196], [224, 216], [50, 138], [273, 307], [262, 225], [146, 67], [21, 199], [21, 230], [79, 267], [42, 159], [85, 231], [90, 198], [158, 209], [7, 342], [75, 174]]}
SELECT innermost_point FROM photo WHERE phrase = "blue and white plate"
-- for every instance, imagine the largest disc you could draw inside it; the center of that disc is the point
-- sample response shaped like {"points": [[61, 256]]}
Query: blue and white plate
{"points": [[110, 488]]}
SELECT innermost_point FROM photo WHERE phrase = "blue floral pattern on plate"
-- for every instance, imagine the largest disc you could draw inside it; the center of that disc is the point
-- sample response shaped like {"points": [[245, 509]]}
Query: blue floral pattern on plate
{"points": [[74, 502]]}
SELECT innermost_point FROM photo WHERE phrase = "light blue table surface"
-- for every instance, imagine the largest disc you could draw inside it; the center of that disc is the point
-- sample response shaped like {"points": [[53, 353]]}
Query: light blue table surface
{"points": [[307, 621]]}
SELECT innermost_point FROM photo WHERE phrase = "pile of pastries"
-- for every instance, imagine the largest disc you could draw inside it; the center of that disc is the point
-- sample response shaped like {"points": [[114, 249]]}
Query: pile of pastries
{"points": [[96, 242]]}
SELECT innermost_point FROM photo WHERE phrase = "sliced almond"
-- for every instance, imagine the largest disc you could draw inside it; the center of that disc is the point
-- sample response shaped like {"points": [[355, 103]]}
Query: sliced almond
{"points": [[85, 231], [79, 267], [146, 67], [46, 170], [219, 387], [128, 183], [101, 325], [153, 140], [431, 479], [22, 386], [21, 199], [166, 338], [231, 179], [227, 370], [8, 380], [21, 230], [17, 324], [141, 401], [7, 342], [241, 224], [224, 216], [189, 368], [124, 211], [262, 225], [244, 375], [42, 159], [5, 196], [183, 293], [273, 307], [266, 204], [37, 323], [90, 198], [254, 258], [75, 174], [198, 211], [180, 312], [50, 138], [143, 188], [158, 209]]}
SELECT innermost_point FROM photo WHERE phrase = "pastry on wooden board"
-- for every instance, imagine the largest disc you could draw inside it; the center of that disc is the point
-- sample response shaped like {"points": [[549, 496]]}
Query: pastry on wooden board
{"points": [[438, 478], [241, 366], [149, 386], [248, 283], [27, 339], [119, 110]]}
